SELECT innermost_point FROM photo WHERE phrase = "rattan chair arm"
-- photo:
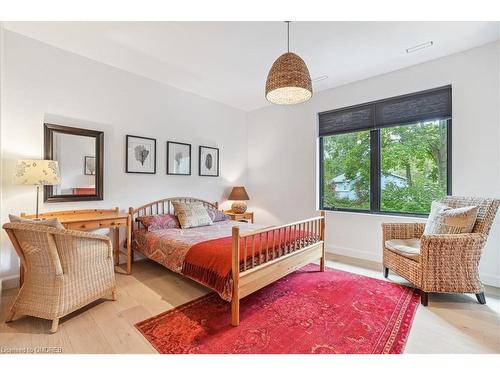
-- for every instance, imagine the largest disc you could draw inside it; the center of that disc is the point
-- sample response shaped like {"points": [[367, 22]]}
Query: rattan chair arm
{"points": [[443, 247], [82, 234], [402, 231], [110, 249], [462, 238], [84, 243], [89, 236], [450, 262]]}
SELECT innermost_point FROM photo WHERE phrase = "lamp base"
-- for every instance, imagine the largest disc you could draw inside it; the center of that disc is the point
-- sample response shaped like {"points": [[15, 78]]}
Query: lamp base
{"points": [[239, 207]]}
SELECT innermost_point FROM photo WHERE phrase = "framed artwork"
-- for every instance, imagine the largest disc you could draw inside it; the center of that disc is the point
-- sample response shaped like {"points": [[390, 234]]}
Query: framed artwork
{"points": [[208, 161], [89, 166], [178, 158], [140, 155]]}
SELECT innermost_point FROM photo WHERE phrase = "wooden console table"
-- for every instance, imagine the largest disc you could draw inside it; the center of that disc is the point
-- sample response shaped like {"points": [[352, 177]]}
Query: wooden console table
{"points": [[94, 219]]}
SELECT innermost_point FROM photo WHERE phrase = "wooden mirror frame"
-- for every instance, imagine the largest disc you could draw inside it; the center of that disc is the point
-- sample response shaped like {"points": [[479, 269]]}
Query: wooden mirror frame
{"points": [[48, 138]]}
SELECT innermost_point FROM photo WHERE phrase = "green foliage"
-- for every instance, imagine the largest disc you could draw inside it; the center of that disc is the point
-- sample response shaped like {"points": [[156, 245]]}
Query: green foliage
{"points": [[347, 154], [414, 199], [415, 152]]}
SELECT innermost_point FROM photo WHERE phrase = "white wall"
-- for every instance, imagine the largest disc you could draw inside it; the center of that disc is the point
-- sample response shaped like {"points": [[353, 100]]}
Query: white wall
{"points": [[1, 111], [46, 84], [282, 149]]}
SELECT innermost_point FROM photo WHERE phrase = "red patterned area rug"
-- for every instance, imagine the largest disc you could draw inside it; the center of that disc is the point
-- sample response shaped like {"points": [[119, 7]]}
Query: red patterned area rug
{"points": [[306, 312]]}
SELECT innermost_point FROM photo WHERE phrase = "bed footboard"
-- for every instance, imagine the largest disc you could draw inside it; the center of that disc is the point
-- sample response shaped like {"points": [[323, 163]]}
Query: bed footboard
{"points": [[264, 256]]}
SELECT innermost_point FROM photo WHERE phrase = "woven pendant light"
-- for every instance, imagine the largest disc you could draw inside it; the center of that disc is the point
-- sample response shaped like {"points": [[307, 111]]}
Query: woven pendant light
{"points": [[288, 81]]}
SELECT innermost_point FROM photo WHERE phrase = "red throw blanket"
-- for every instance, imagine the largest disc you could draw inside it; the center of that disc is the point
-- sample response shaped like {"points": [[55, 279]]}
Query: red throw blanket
{"points": [[210, 262]]}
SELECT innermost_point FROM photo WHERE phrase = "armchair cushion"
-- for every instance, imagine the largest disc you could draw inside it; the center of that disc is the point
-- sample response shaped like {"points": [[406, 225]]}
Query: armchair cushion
{"points": [[444, 219], [409, 248], [54, 223]]}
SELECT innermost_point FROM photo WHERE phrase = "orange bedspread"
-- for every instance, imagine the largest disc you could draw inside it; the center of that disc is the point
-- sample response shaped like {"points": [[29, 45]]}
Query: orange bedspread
{"points": [[210, 262]]}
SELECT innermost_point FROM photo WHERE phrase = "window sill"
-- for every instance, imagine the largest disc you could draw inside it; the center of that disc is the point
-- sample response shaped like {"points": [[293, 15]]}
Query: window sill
{"points": [[377, 214]]}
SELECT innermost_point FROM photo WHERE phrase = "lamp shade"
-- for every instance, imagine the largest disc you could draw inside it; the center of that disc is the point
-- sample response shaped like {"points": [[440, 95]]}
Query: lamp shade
{"points": [[238, 194], [36, 172], [288, 81]]}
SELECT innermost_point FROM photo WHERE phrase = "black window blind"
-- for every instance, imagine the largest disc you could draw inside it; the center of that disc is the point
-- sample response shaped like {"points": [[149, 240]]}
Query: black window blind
{"points": [[421, 106]]}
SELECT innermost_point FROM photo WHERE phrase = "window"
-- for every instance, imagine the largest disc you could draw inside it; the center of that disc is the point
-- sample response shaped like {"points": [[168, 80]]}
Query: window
{"points": [[414, 166], [346, 164], [390, 156]]}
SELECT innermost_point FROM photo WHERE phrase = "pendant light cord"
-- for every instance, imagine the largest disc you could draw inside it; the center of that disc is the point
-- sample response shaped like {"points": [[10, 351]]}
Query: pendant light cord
{"points": [[288, 36]]}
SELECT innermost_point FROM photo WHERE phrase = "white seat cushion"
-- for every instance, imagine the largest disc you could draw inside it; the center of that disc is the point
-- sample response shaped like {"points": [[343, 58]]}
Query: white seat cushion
{"points": [[409, 248], [102, 231]]}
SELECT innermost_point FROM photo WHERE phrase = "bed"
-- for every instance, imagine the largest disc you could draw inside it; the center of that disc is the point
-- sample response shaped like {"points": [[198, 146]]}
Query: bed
{"points": [[232, 258]]}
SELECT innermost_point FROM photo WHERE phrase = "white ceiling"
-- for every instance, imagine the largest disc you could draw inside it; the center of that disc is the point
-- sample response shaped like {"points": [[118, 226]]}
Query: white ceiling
{"points": [[229, 61]]}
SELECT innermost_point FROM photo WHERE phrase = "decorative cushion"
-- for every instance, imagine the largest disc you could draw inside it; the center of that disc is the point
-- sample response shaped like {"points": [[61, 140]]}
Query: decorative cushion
{"points": [[192, 214], [409, 248], [217, 215], [444, 219], [159, 222], [101, 231], [54, 223]]}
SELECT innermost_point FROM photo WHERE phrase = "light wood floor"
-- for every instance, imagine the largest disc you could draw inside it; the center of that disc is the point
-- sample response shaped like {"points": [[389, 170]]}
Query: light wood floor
{"points": [[450, 324]]}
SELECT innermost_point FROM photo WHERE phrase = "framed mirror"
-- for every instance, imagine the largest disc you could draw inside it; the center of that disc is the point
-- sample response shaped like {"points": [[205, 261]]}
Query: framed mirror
{"points": [[79, 153]]}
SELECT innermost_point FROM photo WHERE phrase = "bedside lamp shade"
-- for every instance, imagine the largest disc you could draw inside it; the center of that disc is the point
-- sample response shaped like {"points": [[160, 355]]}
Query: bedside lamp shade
{"points": [[238, 194], [37, 172]]}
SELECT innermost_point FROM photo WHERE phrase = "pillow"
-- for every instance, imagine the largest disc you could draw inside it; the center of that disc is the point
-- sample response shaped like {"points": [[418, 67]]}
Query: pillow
{"points": [[192, 214], [217, 215], [447, 220], [159, 222], [54, 223]]}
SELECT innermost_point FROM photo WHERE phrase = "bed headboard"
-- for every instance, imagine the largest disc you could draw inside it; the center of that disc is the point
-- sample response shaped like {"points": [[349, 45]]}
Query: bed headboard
{"points": [[163, 206]]}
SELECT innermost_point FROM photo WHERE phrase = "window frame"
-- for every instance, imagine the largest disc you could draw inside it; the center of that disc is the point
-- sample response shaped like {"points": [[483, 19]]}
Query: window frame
{"points": [[375, 171]]}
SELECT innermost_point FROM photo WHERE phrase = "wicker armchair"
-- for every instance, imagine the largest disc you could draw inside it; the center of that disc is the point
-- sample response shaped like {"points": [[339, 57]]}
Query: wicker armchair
{"points": [[445, 263], [64, 270]]}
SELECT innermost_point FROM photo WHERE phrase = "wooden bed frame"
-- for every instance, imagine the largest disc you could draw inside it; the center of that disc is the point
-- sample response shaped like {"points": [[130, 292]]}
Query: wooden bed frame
{"points": [[299, 244]]}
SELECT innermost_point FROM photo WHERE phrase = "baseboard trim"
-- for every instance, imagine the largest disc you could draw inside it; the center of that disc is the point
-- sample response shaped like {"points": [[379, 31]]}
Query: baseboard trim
{"points": [[354, 253], [9, 282], [486, 278], [490, 279]]}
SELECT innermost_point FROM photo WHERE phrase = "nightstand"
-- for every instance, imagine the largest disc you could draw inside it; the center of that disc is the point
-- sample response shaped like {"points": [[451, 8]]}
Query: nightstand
{"points": [[240, 217]]}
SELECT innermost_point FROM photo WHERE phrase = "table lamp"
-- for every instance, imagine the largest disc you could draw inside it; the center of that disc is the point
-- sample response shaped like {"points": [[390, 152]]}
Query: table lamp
{"points": [[36, 172], [238, 194]]}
